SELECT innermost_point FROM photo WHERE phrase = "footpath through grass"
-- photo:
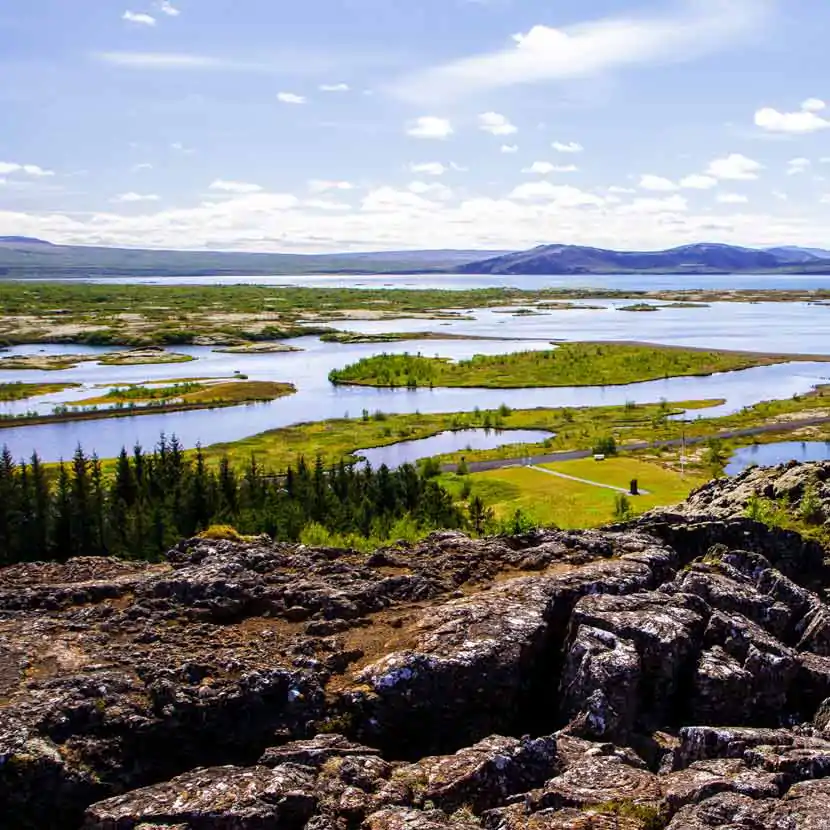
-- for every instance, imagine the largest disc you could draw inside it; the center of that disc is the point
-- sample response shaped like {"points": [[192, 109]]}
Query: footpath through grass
{"points": [[570, 364], [570, 504]]}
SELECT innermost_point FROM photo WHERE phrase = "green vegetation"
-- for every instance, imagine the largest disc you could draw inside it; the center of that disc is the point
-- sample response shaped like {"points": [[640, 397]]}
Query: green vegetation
{"points": [[143, 400], [142, 357], [571, 364], [338, 439], [805, 516], [352, 337], [642, 816], [21, 391], [258, 348], [149, 501], [639, 307], [549, 500]]}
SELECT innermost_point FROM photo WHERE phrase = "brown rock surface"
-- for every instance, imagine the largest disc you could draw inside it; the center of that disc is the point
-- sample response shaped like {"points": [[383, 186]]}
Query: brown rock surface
{"points": [[639, 678]]}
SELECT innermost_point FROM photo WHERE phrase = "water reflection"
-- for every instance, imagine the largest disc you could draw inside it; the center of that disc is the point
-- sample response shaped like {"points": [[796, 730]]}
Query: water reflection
{"points": [[769, 455], [407, 452]]}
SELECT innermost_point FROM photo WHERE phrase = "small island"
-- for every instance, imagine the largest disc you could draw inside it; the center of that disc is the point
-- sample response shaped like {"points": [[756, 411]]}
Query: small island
{"points": [[23, 391], [571, 364], [56, 362], [143, 399]]}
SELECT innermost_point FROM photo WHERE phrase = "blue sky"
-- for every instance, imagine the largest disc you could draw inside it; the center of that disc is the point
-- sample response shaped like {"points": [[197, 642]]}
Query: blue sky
{"points": [[333, 125]]}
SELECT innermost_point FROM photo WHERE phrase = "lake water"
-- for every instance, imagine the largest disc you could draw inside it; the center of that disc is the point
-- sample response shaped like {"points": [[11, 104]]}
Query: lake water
{"points": [[457, 282], [408, 452], [770, 455], [779, 327]]}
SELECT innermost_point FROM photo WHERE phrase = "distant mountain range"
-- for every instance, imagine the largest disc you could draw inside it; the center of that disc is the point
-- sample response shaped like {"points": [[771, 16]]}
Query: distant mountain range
{"points": [[703, 258], [26, 257]]}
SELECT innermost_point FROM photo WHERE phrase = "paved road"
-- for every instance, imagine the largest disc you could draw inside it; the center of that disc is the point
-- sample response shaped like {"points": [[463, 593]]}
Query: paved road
{"points": [[587, 481], [571, 455]]}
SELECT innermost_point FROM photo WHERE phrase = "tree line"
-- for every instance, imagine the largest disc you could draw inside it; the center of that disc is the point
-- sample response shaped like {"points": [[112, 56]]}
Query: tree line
{"points": [[148, 501]]}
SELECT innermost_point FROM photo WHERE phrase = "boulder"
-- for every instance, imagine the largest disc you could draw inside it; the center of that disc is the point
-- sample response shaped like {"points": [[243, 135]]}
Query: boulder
{"points": [[482, 776], [219, 798]]}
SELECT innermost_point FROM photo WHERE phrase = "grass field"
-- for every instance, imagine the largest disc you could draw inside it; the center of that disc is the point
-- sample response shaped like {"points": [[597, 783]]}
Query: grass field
{"points": [[570, 504], [337, 439], [570, 364]]}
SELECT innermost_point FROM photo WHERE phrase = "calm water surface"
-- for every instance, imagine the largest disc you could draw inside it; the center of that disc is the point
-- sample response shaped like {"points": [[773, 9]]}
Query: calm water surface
{"points": [[456, 282], [769, 455], [407, 452], [779, 327]]}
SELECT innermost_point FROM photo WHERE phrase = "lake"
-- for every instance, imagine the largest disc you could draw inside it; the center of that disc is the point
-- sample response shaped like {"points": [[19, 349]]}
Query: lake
{"points": [[530, 282], [780, 327], [770, 455], [408, 452]]}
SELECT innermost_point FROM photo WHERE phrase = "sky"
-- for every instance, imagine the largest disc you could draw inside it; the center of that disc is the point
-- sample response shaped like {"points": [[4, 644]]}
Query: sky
{"points": [[352, 125]]}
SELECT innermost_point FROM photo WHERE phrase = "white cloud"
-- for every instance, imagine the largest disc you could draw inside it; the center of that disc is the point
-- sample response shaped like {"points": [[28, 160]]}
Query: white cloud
{"points": [[159, 60], [669, 204], [326, 204], [166, 7], [496, 124], [324, 185], [395, 218], [804, 121], [735, 166], [660, 183], [139, 17], [333, 87], [430, 126], [135, 197], [780, 195], [698, 182], [429, 168], [290, 98], [592, 48], [797, 165], [8, 167], [732, 199], [434, 189], [544, 167], [563, 195], [179, 147], [570, 147], [387, 199], [144, 165], [509, 148], [617, 189], [226, 186], [813, 105]]}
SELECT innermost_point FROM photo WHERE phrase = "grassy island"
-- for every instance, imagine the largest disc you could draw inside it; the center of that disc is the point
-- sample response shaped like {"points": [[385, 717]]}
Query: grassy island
{"points": [[56, 362], [571, 364], [143, 399], [21, 391]]}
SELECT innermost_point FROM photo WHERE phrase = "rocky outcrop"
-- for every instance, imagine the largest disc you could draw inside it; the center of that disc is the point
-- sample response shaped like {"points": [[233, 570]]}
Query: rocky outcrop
{"points": [[672, 673]]}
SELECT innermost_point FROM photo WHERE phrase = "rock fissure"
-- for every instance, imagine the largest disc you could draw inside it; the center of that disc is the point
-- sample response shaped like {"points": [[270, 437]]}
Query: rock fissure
{"points": [[671, 673]]}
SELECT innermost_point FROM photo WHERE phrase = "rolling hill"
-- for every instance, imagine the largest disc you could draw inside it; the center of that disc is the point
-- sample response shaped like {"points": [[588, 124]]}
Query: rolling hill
{"points": [[22, 257], [703, 258]]}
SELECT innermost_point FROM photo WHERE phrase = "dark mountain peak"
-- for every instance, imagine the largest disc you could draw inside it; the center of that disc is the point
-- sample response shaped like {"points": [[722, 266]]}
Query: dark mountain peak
{"points": [[699, 257], [22, 240]]}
